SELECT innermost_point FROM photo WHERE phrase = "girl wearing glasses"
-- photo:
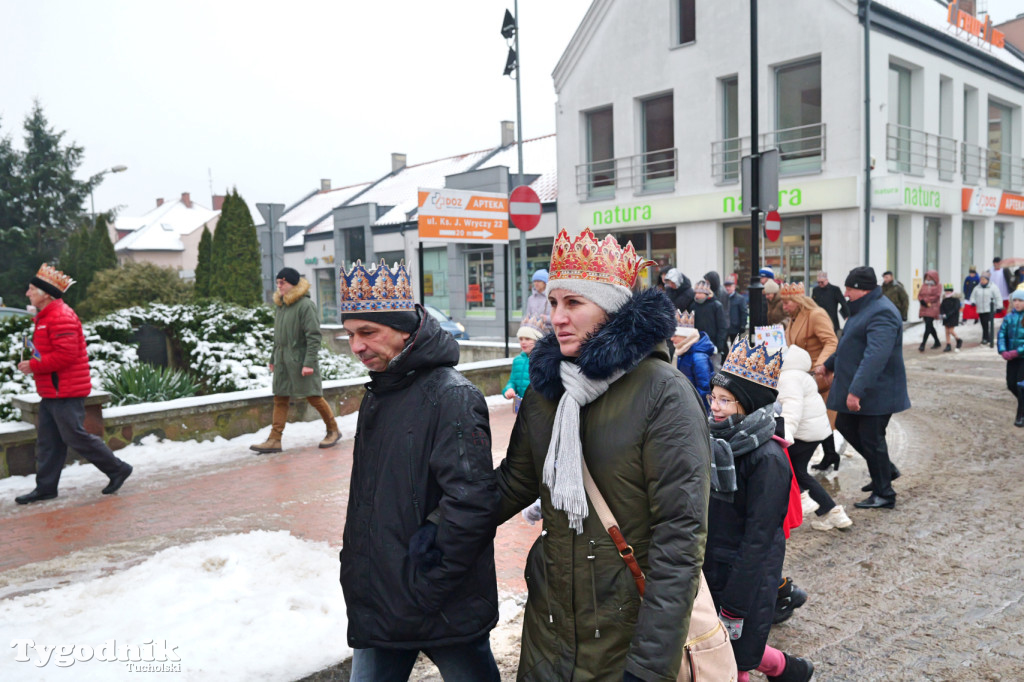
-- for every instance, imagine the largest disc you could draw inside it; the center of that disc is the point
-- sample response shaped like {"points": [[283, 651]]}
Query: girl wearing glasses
{"points": [[750, 496]]}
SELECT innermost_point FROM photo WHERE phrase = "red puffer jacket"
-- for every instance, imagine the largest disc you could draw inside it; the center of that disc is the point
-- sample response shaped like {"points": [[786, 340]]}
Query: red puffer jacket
{"points": [[62, 370]]}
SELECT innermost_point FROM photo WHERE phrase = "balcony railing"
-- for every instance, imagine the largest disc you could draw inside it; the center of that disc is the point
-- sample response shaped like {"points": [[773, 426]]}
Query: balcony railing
{"points": [[995, 169], [651, 171], [801, 150], [911, 151]]}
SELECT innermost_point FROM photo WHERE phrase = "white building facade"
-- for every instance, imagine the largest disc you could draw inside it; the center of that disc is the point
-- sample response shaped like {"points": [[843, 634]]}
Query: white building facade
{"points": [[654, 115]]}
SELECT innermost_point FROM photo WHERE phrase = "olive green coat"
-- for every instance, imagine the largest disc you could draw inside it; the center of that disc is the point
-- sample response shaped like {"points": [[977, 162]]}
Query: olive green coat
{"points": [[646, 444], [296, 343]]}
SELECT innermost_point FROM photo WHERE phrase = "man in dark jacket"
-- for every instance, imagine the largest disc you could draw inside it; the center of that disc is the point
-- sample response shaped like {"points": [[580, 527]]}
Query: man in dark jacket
{"points": [[870, 381], [678, 289], [60, 366], [709, 317], [737, 310], [417, 561], [721, 295], [829, 297], [895, 292]]}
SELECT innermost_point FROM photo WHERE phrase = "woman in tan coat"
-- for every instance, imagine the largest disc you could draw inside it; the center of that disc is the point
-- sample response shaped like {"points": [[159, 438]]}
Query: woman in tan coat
{"points": [[810, 328]]}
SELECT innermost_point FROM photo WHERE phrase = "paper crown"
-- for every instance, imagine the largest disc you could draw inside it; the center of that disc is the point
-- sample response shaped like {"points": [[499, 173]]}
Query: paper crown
{"points": [[585, 258], [755, 364], [380, 289], [684, 319], [792, 289], [52, 281], [947, 287], [537, 322], [702, 287]]}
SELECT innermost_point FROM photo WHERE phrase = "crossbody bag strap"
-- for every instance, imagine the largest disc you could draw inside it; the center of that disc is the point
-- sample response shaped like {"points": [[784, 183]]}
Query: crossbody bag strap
{"points": [[612, 526]]}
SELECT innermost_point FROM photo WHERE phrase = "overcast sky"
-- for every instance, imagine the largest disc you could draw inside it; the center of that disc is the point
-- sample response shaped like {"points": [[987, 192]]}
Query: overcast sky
{"points": [[269, 97]]}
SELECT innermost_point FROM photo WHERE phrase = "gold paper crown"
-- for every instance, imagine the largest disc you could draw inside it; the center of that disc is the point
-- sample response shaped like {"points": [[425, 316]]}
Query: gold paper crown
{"points": [[585, 258], [792, 289], [380, 289], [49, 275], [684, 319], [754, 364], [702, 287]]}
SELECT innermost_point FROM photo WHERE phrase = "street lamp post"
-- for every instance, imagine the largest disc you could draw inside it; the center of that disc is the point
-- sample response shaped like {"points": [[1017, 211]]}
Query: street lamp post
{"points": [[113, 169]]}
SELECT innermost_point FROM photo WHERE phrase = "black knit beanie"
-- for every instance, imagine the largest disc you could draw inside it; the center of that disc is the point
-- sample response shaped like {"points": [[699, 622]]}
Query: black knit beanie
{"points": [[862, 278], [403, 320], [290, 275], [752, 396]]}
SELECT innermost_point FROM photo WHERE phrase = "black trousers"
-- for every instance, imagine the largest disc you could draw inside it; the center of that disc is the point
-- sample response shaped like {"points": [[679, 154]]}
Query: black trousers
{"points": [[800, 453], [866, 433], [1014, 374], [61, 426], [985, 319], [929, 330]]}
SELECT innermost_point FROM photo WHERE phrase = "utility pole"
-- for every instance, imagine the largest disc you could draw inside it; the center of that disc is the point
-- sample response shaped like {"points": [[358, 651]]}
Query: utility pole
{"points": [[755, 290]]}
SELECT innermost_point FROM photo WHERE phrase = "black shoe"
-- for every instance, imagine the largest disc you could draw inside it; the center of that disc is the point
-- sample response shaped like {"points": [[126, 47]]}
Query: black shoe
{"points": [[921, 347], [947, 349], [797, 670], [790, 597], [959, 343], [936, 345], [829, 460], [34, 496], [118, 479], [892, 477], [876, 502]]}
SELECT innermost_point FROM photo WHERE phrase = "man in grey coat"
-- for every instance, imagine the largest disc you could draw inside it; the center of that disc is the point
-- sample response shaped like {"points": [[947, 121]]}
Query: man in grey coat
{"points": [[870, 381], [293, 361]]}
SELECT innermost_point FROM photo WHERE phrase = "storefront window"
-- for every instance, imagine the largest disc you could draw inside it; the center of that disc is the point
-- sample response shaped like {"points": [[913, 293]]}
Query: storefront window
{"points": [[966, 249], [390, 258], [538, 256], [999, 240], [435, 277], [794, 257], [931, 244], [327, 294], [892, 242], [479, 280]]}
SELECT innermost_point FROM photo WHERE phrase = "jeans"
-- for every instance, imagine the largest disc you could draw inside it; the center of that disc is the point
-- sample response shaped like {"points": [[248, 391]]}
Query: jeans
{"points": [[866, 433], [469, 662], [59, 426]]}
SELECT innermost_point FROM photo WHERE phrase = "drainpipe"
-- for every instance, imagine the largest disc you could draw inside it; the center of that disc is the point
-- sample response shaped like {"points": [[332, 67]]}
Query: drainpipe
{"points": [[867, 131]]}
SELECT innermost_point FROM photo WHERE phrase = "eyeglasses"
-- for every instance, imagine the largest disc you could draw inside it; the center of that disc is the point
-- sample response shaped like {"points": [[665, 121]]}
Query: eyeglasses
{"points": [[723, 402]]}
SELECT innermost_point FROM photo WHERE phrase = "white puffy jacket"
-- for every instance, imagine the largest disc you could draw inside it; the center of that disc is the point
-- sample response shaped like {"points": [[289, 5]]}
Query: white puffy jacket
{"points": [[802, 407]]}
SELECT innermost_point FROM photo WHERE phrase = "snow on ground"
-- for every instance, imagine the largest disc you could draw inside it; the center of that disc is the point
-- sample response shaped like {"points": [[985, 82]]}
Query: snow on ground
{"points": [[287, 613]]}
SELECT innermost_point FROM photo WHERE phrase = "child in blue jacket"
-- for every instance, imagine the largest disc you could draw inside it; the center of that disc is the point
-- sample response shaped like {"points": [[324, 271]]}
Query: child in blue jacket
{"points": [[530, 331], [694, 352], [1011, 347]]}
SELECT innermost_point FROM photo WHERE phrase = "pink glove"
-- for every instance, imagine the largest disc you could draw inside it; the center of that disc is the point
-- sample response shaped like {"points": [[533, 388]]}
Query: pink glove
{"points": [[1009, 354]]}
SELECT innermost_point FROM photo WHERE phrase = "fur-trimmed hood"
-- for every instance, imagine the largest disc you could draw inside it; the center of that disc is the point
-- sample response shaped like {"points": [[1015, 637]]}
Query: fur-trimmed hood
{"points": [[641, 327], [294, 294]]}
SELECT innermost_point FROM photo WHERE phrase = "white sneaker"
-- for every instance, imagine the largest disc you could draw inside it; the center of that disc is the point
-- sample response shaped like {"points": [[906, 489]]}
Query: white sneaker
{"points": [[807, 503], [835, 518]]}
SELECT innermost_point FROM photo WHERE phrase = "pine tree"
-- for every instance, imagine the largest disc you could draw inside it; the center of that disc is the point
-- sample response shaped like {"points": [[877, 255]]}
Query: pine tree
{"points": [[101, 248], [236, 276], [204, 266]]}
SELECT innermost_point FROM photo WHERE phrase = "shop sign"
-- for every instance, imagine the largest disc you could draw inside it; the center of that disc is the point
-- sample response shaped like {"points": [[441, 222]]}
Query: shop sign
{"points": [[974, 26], [894, 191], [453, 215], [311, 261], [327, 259], [991, 201], [474, 294], [428, 284], [817, 195]]}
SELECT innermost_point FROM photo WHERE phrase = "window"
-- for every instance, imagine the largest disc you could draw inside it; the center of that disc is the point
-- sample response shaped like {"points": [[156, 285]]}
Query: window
{"points": [[355, 244], [658, 162], [946, 144], [731, 129], [435, 277], [538, 256], [687, 26], [480, 280], [799, 136], [999, 240], [899, 119], [892, 245], [966, 249], [931, 244], [999, 145], [795, 256], [326, 295], [600, 154]]}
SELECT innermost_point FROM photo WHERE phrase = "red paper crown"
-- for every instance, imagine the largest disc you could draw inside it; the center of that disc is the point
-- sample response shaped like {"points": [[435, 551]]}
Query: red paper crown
{"points": [[585, 258], [792, 289]]}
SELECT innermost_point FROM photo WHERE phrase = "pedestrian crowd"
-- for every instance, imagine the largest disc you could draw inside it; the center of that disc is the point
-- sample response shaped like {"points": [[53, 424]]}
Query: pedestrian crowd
{"points": [[666, 455]]}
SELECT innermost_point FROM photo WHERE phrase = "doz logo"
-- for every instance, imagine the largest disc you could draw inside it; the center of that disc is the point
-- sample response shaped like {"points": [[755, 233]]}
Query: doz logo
{"points": [[440, 201]]}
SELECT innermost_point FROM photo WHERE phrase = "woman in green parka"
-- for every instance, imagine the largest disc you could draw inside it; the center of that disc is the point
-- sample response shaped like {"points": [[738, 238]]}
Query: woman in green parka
{"points": [[603, 390], [294, 360]]}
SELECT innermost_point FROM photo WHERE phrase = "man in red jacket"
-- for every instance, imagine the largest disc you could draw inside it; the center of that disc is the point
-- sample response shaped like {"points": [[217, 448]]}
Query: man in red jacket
{"points": [[60, 367]]}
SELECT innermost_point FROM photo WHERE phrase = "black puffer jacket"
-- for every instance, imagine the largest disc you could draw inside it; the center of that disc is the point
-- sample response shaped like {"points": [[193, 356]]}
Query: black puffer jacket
{"points": [[746, 547], [423, 442], [646, 444]]}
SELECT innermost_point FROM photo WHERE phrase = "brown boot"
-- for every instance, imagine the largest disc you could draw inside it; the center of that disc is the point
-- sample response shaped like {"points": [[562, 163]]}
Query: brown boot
{"points": [[278, 420], [321, 406], [332, 438]]}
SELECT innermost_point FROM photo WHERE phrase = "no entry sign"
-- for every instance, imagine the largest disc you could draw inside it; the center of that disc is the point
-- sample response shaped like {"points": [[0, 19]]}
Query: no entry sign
{"points": [[524, 208], [772, 225]]}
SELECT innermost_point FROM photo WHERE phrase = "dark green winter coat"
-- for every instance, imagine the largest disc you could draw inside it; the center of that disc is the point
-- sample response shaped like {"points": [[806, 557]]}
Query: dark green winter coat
{"points": [[296, 343], [646, 444]]}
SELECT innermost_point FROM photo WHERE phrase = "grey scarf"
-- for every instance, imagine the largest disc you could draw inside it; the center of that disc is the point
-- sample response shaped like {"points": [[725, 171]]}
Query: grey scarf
{"points": [[563, 465], [734, 436]]}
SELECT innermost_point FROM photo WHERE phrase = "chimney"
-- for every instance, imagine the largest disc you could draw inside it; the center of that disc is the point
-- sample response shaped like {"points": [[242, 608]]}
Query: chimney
{"points": [[159, 202], [968, 7], [325, 184], [186, 199], [218, 201], [508, 133], [397, 162]]}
